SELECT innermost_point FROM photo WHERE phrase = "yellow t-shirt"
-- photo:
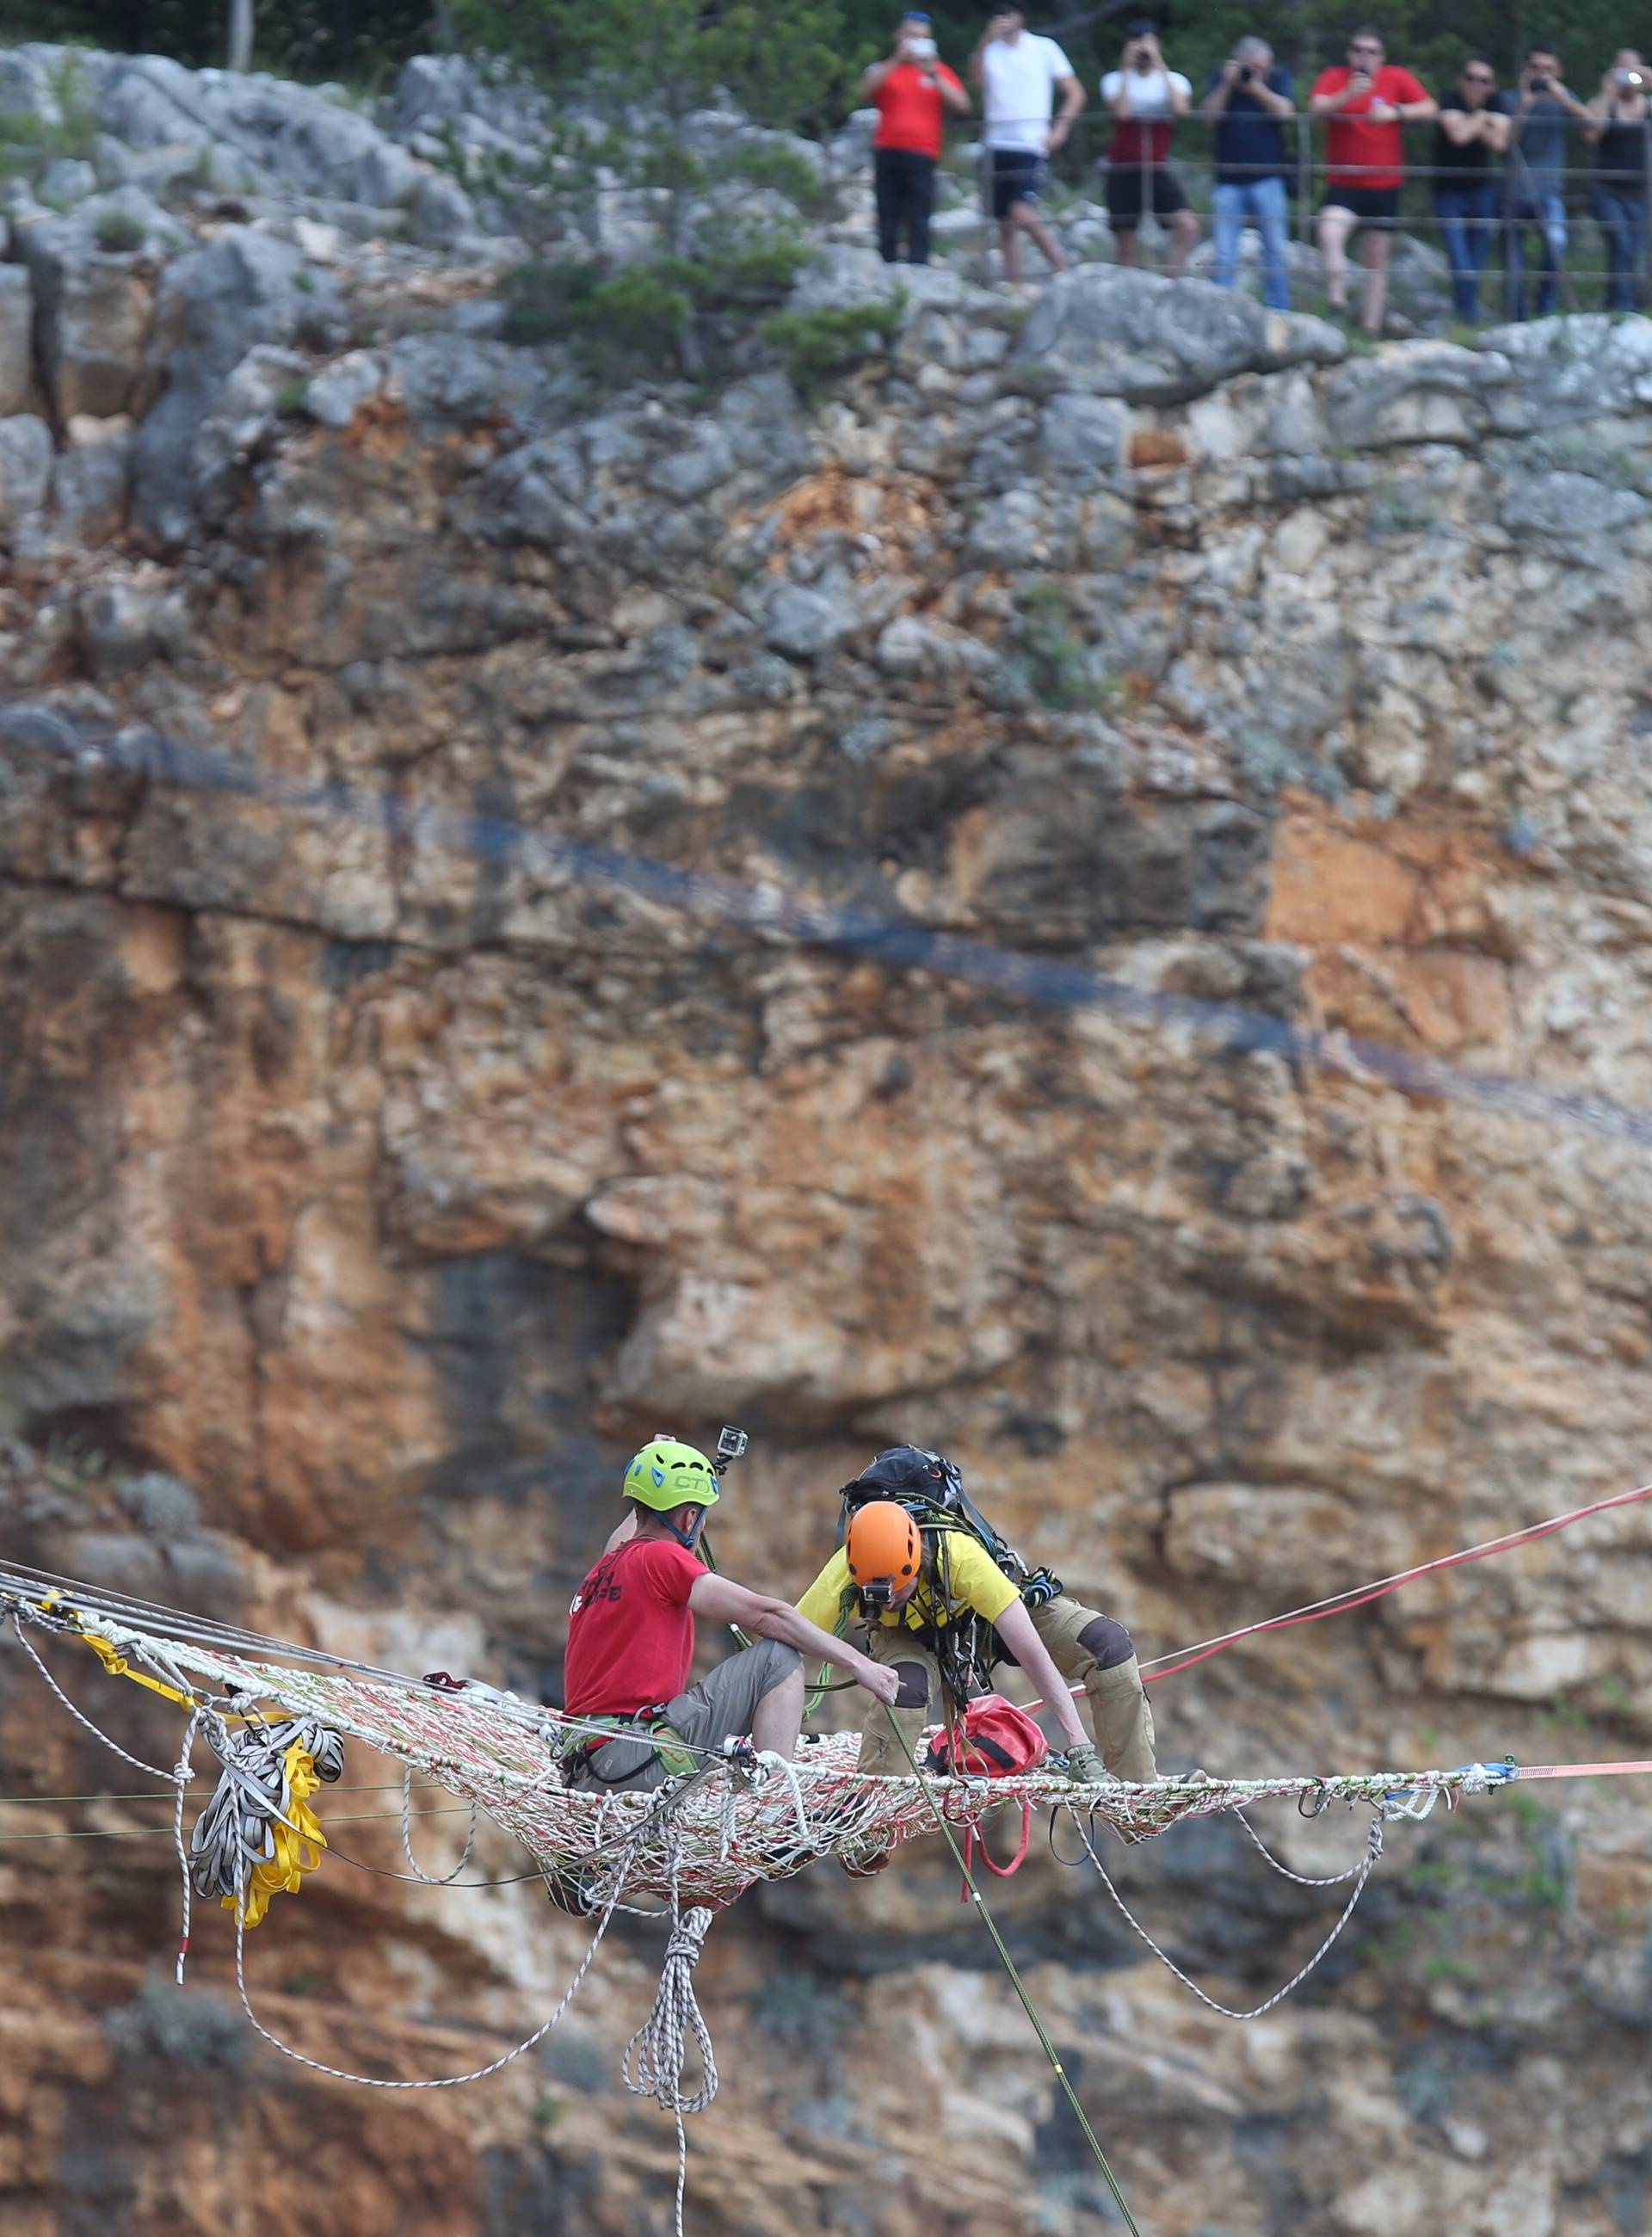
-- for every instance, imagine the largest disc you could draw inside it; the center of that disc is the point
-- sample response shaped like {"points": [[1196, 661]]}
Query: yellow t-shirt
{"points": [[977, 1583]]}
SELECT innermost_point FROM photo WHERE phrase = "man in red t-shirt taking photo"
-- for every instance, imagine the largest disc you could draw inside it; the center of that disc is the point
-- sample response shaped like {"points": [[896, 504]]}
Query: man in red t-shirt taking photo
{"points": [[631, 1642], [1366, 102], [912, 90]]}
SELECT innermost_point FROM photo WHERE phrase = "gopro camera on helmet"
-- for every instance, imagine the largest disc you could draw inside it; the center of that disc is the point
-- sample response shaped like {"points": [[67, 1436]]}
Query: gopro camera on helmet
{"points": [[731, 1444]]}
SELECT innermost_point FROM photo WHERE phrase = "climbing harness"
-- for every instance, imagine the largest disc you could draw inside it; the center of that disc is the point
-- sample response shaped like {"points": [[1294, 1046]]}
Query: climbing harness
{"points": [[675, 1754]]}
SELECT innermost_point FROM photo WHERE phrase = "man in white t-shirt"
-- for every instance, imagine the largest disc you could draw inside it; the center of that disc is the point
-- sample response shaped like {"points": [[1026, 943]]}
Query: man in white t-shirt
{"points": [[1018, 72], [1147, 100]]}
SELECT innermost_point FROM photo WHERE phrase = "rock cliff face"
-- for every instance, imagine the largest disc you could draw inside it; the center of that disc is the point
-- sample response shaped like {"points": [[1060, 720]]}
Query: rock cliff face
{"points": [[387, 1194]]}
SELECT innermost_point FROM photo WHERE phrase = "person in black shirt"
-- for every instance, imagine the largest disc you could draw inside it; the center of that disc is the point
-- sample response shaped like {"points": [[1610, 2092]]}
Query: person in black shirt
{"points": [[1249, 99], [1617, 198], [1542, 113], [1473, 127]]}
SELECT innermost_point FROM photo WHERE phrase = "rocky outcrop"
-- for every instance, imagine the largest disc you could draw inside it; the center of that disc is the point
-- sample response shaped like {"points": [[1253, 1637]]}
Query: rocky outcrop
{"points": [[384, 1191]]}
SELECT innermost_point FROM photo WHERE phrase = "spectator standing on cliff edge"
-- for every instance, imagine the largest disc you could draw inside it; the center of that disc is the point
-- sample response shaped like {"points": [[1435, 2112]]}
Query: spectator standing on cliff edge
{"points": [[1474, 125], [1249, 99], [1018, 72], [1616, 128], [1147, 100], [1367, 100], [1545, 109], [913, 89]]}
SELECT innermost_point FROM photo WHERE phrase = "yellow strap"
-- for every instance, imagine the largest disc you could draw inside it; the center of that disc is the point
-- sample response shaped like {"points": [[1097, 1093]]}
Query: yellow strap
{"points": [[298, 1846], [117, 1666]]}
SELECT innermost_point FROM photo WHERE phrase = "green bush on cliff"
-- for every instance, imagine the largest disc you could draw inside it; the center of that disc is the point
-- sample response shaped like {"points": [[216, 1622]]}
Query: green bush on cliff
{"points": [[814, 345], [29, 143], [661, 316]]}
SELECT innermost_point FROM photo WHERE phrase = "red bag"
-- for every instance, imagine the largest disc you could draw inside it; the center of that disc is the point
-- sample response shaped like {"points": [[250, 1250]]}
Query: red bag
{"points": [[995, 1740]]}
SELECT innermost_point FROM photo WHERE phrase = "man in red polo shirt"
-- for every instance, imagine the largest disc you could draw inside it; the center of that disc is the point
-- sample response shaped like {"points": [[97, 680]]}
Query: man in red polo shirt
{"points": [[1366, 102], [912, 90], [631, 1642]]}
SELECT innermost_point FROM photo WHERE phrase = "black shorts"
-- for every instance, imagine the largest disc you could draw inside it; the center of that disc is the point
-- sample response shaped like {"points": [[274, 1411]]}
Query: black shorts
{"points": [[1017, 175], [1130, 190], [1371, 205]]}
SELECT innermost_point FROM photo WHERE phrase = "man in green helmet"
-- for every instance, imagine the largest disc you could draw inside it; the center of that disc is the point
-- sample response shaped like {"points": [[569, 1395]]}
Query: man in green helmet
{"points": [[630, 1642]]}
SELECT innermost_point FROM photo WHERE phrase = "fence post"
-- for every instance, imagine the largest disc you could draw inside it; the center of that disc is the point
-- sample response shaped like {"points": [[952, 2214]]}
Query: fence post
{"points": [[1305, 178]]}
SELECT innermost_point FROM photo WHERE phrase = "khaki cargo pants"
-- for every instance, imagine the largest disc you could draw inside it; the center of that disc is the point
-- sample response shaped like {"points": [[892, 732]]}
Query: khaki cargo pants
{"points": [[1088, 1649]]}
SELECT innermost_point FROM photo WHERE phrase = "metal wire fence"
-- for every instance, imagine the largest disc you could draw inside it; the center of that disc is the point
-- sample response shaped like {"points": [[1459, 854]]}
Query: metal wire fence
{"points": [[1516, 239]]}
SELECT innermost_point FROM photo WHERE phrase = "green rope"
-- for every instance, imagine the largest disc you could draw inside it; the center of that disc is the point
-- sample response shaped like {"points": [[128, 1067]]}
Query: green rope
{"points": [[1018, 1984]]}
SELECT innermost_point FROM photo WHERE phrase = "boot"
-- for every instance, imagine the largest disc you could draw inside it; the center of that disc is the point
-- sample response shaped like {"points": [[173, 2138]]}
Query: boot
{"points": [[1123, 1722]]}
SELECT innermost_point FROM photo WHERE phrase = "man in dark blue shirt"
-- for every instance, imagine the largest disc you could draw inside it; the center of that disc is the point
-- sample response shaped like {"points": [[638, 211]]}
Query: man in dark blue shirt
{"points": [[1249, 98]]}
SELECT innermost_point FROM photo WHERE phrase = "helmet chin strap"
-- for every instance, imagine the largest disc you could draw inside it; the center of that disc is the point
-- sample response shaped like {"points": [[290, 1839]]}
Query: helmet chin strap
{"points": [[685, 1539]]}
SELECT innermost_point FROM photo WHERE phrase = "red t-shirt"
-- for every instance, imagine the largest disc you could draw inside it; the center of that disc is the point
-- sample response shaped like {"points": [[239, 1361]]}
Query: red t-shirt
{"points": [[1362, 155], [630, 1634], [909, 109]]}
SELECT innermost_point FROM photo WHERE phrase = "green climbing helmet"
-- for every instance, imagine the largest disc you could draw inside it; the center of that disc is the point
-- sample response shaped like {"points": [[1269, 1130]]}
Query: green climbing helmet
{"points": [[666, 1474]]}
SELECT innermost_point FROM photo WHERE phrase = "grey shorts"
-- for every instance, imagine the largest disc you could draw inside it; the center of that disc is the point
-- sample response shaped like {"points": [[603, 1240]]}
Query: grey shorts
{"points": [[721, 1707]]}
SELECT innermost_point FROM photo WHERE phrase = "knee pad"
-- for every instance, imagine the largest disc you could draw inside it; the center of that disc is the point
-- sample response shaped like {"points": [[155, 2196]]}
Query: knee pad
{"points": [[1108, 1642], [914, 1686]]}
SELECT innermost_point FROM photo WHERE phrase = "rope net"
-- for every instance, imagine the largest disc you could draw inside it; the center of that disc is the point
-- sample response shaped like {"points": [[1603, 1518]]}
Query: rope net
{"points": [[739, 1819]]}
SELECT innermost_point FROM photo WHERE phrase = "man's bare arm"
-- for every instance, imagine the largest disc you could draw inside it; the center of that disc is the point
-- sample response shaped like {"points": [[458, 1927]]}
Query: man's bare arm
{"points": [[719, 1600], [1072, 95]]}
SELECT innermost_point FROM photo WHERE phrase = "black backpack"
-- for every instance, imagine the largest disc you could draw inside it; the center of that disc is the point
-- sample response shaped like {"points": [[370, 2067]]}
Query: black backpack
{"points": [[930, 1488]]}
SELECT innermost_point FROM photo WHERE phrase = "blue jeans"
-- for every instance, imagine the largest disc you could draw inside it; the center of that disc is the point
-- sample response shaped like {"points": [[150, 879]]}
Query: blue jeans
{"points": [[1467, 216], [1620, 218], [1263, 200], [1547, 213]]}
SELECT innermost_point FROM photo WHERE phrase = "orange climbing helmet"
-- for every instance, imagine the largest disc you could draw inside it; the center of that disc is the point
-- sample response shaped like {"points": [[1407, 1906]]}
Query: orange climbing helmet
{"points": [[883, 1541]]}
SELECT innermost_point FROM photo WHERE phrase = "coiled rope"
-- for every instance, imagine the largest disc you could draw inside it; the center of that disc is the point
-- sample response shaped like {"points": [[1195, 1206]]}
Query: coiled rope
{"points": [[654, 2058]]}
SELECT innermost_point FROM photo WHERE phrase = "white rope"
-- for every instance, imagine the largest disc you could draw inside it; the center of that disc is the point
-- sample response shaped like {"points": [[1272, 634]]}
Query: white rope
{"points": [[150, 1771], [1302, 1879], [197, 1717], [430, 1879], [1363, 1872], [652, 2065], [443, 2081]]}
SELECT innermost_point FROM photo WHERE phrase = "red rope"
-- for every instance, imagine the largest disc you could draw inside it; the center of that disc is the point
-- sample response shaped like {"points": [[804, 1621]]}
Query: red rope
{"points": [[1357, 1596], [1362, 1596]]}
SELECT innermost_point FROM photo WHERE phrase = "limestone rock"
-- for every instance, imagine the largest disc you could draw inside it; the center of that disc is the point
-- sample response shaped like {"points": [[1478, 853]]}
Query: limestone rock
{"points": [[92, 317], [440, 212], [17, 330], [89, 482], [1082, 437], [276, 132], [1151, 341], [334, 397], [213, 307], [804, 622], [25, 470]]}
